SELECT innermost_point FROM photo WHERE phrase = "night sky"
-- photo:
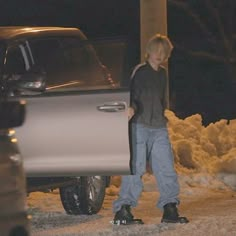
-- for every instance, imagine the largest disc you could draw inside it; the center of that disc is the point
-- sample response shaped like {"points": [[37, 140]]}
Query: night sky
{"points": [[197, 84], [105, 18]]}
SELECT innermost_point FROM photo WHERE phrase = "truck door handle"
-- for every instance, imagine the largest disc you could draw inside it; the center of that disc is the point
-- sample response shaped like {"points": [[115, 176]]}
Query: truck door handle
{"points": [[112, 107]]}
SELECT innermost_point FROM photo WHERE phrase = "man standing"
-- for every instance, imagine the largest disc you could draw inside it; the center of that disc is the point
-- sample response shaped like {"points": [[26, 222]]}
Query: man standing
{"points": [[150, 139]]}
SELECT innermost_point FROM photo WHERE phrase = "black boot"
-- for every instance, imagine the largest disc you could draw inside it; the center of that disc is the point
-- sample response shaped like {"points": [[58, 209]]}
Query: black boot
{"points": [[171, 215], [125, 217]]}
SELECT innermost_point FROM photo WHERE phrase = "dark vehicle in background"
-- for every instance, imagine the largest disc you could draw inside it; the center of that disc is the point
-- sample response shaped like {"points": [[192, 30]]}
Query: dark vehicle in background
{"points": [[76, 134], [13, 216]]}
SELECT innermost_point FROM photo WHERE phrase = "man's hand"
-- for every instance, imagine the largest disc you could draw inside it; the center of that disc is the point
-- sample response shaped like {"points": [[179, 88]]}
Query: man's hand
{"points": [[130, 112]]}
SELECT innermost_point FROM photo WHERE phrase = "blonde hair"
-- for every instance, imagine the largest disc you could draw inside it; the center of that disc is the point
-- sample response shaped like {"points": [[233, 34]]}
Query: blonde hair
{"points": [[159, 39]]}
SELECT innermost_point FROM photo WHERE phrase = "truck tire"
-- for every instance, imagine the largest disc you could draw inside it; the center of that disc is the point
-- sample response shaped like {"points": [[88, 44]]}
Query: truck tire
{"points": [[85, 197]]}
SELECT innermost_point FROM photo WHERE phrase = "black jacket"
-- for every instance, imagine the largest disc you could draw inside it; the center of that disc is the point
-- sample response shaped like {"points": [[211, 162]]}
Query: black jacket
{"points": [[149, 95]]}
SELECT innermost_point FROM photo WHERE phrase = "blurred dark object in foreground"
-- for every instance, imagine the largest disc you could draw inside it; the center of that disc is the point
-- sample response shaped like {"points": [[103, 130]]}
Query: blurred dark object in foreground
{"points": [[12, 114]]}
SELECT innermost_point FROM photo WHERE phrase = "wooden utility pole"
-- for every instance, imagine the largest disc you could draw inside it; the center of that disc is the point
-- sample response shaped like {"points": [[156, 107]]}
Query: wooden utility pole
{"points": [[153, 20]]}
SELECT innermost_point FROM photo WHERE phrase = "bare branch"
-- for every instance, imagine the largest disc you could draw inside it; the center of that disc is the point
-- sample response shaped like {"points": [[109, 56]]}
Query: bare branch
{"points": [[230, 18], [202, 54], [185, 7], [216, 16]]}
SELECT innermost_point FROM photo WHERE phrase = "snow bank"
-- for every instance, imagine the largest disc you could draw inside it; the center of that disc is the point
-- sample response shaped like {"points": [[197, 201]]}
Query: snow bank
{"points": [[225, 168], [204, 156]]}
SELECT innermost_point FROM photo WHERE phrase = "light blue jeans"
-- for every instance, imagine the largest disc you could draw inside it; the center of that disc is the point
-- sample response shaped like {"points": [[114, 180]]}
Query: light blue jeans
{"points": [[150, 144]]}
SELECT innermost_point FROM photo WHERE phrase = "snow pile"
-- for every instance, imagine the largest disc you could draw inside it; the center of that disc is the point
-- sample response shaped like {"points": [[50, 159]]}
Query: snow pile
{"points": [[204, 156], [209, 150], [226, 168]]}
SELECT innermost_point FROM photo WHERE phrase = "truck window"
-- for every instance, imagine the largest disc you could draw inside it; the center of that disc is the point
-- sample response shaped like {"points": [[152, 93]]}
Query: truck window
{"points": [[84, 67], [70, 64], [49, 57], [15, 62]]}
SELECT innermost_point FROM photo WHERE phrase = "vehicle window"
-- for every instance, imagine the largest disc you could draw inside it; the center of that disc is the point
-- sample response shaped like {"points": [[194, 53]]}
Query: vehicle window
{"points": [[83, 65], [106, 50], [69, 64], [126, 57], [48, 56], [15, 62]]}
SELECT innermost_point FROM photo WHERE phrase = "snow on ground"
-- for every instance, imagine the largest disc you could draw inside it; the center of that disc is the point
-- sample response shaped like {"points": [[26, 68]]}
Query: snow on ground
{"points": [[211, 212], [205, 159]]}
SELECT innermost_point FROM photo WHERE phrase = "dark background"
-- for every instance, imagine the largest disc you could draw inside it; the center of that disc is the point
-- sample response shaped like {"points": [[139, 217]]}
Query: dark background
{"points": [[198, 84], [103, 18]]}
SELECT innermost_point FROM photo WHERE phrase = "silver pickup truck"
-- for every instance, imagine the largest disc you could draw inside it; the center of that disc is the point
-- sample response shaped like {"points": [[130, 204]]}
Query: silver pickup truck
{"points": [[76, 133]]}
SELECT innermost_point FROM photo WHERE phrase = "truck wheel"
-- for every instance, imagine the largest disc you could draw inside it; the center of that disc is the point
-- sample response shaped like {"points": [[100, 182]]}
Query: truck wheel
{"points": [[85, 197]]}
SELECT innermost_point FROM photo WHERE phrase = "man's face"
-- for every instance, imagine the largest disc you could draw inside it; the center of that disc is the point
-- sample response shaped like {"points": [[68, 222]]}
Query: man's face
{"points": [[157, 54]]}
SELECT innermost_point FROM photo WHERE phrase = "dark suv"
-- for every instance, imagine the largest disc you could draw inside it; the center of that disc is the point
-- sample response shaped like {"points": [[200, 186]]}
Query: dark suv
{"points": [[76, 134]]}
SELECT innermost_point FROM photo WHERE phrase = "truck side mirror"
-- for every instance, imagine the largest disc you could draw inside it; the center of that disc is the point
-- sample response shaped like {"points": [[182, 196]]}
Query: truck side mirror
{"points": [[32, 83]]}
